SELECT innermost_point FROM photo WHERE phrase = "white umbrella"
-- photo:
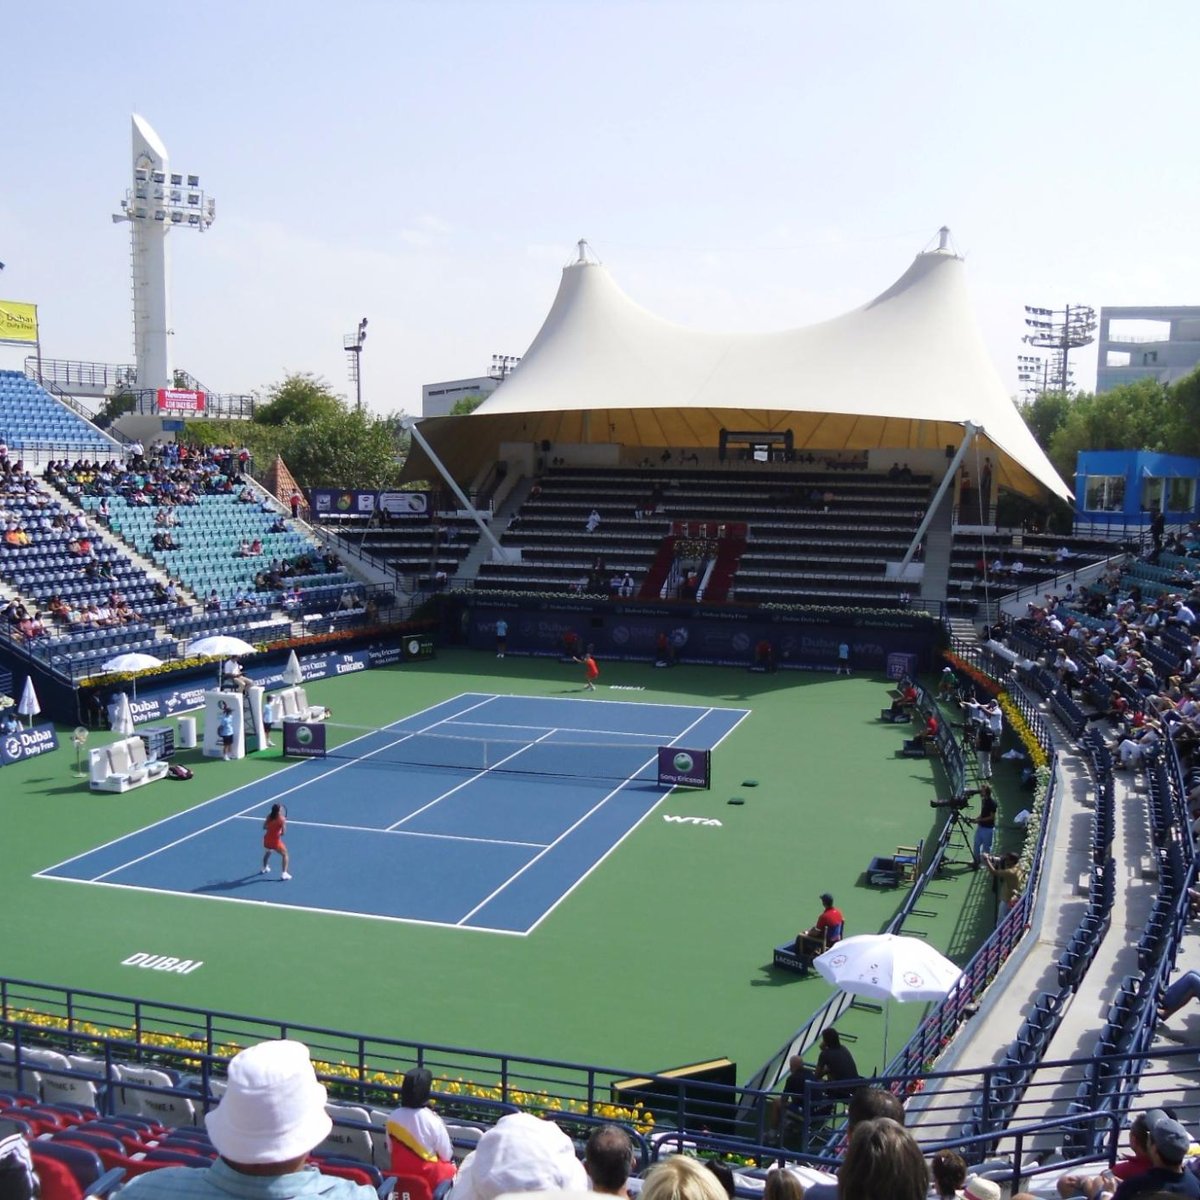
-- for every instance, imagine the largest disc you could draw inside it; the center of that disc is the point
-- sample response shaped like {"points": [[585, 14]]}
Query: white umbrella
{"points": [[122, 721], [886, 966], [28, 705], [292, 673], [132, 661], [217, 645]]}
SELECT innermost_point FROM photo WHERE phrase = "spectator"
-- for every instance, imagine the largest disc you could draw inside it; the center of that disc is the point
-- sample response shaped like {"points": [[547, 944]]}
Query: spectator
{"points": [[521, 1153], [883, 1159], [680, 1178], [608, 1160], [979, 1187], [1007, 871], [835, 1064], [783, 1184], [295, 500], [593, 521], [949, 1171], [723, 1175], [1082, 1184], [419, 1142], [1185, 988], [1167, 1144], [271, 1116], [800, 1074]]}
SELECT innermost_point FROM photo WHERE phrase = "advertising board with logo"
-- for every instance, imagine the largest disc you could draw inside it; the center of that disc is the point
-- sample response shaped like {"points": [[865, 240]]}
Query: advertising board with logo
{"points": [[180, 401], [27, 743], [303, 739], [406, 506], [678, 767], [18, 322], [344, 501]]}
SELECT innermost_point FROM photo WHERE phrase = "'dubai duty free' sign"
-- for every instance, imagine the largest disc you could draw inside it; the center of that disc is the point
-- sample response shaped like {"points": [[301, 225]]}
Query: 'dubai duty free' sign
{"points": [[27, 743]]}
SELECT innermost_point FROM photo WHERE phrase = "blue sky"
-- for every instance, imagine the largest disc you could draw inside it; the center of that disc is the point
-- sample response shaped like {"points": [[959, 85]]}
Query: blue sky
{"points": [[735, 165]]}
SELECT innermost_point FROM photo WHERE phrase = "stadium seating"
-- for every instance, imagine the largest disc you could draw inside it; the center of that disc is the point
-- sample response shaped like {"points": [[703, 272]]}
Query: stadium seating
{"points": [[32, 419]]}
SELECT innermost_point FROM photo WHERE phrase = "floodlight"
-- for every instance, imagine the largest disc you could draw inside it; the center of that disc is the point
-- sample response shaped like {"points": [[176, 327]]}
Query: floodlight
{"points": [[193, 181], [140, 193], [141, 175], [140, 211], [194, 219], [176, 196], [193, 198], [176, 179], [160, 177], [176, 216], [159, 214]]}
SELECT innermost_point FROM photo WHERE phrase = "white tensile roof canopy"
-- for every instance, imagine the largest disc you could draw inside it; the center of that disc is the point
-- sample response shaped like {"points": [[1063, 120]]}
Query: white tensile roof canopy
{"points": [[906, 371]]}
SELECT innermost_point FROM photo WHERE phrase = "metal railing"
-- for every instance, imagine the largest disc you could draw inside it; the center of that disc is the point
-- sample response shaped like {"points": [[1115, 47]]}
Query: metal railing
{"points": [[68, 372]]}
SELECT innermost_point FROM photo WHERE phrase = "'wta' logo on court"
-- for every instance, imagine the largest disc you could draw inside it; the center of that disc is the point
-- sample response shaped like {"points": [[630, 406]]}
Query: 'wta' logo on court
{"points": [[683, 762]]}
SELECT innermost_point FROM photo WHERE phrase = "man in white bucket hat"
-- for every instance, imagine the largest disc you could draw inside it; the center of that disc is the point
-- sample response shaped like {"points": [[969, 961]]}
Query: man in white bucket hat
{"points": [[271, 1115]]}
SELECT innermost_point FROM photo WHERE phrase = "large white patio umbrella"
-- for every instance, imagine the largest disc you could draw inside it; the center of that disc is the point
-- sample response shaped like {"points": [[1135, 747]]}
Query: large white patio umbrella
{"points": [[292, 674], [887, 966], [218, 645], [122, 721], [28, 706], [132, 661]]}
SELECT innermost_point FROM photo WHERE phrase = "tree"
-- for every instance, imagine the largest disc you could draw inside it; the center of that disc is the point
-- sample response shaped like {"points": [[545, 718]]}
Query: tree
{"points": [[113, 408], [1134, 416], [1045, 415], [1183, 432], [465, 405], [299, 399]]}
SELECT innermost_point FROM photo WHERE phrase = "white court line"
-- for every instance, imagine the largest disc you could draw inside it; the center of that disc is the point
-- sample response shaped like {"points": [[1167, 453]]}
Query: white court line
{"points": [[616, 733], [253, 783], [459, 786], [613, 703], [274, 797], [308, 908], [570, 829], [445, 837]]}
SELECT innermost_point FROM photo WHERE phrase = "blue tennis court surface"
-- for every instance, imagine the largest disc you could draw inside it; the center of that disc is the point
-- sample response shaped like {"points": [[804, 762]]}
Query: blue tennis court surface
{"points": [[481, 812]]}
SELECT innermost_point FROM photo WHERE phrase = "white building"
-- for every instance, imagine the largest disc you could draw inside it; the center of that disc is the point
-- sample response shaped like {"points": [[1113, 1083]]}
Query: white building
{"points": [[1136, 350], [437, 399]]}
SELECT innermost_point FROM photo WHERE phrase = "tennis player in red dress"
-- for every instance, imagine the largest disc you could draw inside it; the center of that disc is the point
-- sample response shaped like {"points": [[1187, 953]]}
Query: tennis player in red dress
{"points": [[273, 828], [590, 669]]}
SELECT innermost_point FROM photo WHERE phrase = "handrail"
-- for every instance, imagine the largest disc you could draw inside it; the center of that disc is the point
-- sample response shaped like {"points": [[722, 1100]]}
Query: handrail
{"points": [[91, 374]]}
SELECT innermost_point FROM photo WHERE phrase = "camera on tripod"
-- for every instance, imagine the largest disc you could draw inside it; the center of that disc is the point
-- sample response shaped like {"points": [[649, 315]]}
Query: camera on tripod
{"points": [[957, 803]]}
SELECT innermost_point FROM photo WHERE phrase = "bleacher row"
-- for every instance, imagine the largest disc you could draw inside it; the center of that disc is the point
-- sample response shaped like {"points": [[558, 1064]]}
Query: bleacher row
{"points": [[32, 419]]}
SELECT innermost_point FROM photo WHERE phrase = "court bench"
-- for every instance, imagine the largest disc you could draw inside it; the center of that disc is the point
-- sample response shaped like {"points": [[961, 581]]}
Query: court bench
{"points": [[294, 706], [122, 766]]}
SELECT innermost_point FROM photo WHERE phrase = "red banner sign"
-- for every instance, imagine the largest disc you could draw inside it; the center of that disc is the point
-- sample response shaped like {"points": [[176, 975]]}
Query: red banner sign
{"points": [[180, 400]]}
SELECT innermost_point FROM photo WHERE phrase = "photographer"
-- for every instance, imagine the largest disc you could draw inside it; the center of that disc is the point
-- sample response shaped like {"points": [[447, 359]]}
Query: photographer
{"points": [[985, 825]]}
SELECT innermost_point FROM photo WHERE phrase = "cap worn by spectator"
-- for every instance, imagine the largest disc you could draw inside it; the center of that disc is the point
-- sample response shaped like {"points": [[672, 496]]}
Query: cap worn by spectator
{"points": [[520, 1153], [273, 1110], [827, 899], [1168, 1137], [979, 1188]]}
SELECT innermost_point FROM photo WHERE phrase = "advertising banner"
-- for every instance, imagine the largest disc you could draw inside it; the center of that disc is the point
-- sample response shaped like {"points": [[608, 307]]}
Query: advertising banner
{"points": [[180, 401], [332, 501], [406, 506], [18, 323], [303, 739], [28, 743], [678, 767]]}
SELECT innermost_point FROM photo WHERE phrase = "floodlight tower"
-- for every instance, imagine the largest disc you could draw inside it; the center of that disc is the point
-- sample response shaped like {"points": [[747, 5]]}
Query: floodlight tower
{"points": [[1061, 330], [158, 202]]}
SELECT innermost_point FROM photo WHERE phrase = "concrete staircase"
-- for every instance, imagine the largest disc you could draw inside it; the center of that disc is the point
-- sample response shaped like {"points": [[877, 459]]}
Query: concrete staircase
{"points": [[481, 551], [939, 540]]}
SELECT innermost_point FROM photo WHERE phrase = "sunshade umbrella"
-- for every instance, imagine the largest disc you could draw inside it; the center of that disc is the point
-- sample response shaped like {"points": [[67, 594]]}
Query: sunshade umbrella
{"points": [[887, 966], [218, 644], [292, 673], [123, 718], [28, 705], [132, 661]]}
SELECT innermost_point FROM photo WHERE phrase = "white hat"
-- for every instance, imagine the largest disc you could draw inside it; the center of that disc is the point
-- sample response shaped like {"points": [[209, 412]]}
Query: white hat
{"points": [[979, 1188], [273, 1109], [520, 1153]]}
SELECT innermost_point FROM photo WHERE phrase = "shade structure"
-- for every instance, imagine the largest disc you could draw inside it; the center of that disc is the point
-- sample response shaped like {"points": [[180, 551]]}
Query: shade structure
{"points": [[905, 371], [292, 674], [888, 966], [216, 644], [122, 721], [133, 661], [28, 706]]}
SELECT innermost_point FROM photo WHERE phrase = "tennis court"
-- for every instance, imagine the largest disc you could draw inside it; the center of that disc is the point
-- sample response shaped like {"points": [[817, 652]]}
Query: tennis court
{"points": [[483, 812]]}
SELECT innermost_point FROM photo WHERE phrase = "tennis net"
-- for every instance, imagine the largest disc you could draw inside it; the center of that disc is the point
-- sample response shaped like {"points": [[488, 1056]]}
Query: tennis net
{"points": [[626, 759]]}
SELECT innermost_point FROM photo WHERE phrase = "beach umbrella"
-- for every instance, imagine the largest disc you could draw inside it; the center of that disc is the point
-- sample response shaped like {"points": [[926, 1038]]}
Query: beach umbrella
{"points": [[132, 661], [28, 705], [888, 966], [218, 645], [291, 673], [122, 721]]}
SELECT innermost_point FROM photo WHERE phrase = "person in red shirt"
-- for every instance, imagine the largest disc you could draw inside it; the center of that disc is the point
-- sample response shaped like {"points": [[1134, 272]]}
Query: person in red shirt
{"points": [[273, 828], [590, 670], [825, 932]]}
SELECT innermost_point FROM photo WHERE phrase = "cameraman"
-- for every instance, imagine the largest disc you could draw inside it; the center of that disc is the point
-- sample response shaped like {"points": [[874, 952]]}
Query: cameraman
{"points": [[985, 826]]}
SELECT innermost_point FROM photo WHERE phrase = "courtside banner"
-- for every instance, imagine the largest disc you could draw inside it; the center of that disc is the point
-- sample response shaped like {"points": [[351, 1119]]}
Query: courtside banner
{"points": [[338, 500], [28, 743], [180, 400], [406, 506], [303, 739], [18, 323], [684, 768]]}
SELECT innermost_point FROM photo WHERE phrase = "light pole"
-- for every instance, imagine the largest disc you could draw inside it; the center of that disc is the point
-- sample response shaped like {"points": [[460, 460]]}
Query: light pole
{"points": [[352, 343], [1061, 330], [159, 200], [1033, 370], [503, 366]]}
